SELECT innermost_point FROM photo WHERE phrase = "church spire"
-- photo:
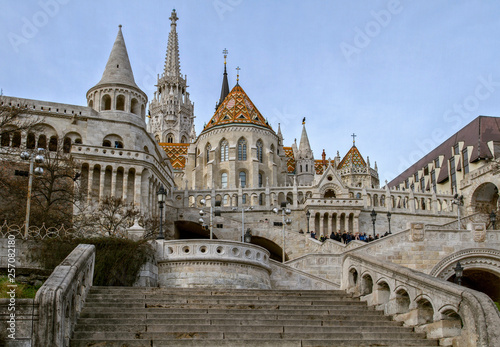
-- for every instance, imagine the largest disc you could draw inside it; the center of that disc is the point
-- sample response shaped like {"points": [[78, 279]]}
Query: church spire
{"points": [[225, 85], [304, 146], [172, 65], [118, 68]]}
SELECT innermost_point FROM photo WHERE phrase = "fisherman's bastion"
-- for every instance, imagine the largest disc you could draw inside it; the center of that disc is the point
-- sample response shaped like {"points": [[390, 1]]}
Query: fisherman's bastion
{"points": [[246, 211]]}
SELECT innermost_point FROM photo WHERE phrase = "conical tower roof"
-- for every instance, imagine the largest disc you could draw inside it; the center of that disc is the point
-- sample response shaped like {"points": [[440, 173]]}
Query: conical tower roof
{"points": [[352, 158], [304, 146], [172, 62], [118, 69], [237, 108]]}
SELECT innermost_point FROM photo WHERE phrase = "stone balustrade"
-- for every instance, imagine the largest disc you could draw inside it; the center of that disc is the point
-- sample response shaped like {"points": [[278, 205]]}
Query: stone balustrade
{"points": [[456, 315], [59, 301], [212, 263]]}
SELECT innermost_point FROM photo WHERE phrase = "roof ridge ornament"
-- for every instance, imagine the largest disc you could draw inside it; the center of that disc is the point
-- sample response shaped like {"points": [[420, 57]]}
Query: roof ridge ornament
{"points": [[354, 139], [237, 75]]}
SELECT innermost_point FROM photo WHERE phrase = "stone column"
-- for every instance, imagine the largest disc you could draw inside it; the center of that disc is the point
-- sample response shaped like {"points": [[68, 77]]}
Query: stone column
{"points": [[125, 185], [321, 230], [137, 190], [113, 181], [102, 183], [90, 183]]}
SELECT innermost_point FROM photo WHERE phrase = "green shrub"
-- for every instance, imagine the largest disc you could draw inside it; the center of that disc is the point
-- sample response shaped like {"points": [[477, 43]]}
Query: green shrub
{"points": [[23, 291], [117, 262]]}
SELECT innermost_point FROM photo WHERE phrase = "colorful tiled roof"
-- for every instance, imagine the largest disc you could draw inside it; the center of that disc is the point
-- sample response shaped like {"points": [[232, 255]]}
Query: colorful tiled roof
{"points": [[290, 162], [237, 108], [177, 153], [318, 165], [354, 158]]}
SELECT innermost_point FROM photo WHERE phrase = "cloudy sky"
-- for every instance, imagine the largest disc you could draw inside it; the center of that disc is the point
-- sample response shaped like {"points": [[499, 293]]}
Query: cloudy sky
{"points": [[402, 75]]}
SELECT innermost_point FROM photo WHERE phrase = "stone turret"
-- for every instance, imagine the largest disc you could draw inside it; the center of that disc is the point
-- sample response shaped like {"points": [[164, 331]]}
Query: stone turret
{"points": [[117, 90], [171, 110], [305, 160]]}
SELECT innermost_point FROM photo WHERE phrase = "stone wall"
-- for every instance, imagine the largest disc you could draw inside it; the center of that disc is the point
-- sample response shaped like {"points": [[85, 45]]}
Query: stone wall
{"points": [[20, 326]]}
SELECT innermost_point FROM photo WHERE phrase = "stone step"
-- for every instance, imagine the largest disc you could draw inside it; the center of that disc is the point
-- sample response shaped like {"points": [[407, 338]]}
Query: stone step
{"points": [[194, 333], [261, 328], [352, 342], [237, 314], [180, 320]]}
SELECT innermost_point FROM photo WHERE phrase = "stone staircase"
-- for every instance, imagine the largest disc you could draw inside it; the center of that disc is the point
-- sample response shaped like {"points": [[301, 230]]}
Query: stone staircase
{"points": [[119, 316]]}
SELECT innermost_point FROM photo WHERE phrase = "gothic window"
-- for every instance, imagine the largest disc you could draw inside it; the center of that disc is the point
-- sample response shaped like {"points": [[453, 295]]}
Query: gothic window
{"points": [[453, 175], [16, 139], [433, 180], [5, 139], [120, 103], [207, 152], [224, 151], [53, 144], [42, 141], [134, 107], [242, 150], [259, 151], [465, 161], [184, 140], [243, 179], [67, 145], [106, 102], [30, 141], [272, 149], [260, 179], [223, 180], [170, 138]]}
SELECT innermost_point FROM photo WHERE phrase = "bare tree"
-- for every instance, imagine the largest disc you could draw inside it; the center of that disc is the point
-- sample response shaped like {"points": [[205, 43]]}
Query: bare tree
{"points": [[15, 120]]}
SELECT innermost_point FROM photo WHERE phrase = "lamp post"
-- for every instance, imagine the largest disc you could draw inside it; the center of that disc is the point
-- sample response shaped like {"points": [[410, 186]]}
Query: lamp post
{"points": [[389, 220], [459, 271], [373, 214], [308, 216], [39, 159], [243, 209], [161, 194], [493, 219], [459, 201], [203, 202], [284, 210]]}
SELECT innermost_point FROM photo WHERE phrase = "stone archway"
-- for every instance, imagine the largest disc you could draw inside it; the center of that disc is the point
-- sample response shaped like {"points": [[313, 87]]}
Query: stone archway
{"points": [[484, 198], [481, 270]]}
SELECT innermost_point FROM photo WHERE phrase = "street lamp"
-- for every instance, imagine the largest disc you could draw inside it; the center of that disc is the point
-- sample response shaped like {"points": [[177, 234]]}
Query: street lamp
{"points": [[493, 219], [308, 215], [243, 209], [39, 159], [459, 271], [373, 214], [284, 210], [161, 194], [203, 202], [389, 220], [459, 201]]}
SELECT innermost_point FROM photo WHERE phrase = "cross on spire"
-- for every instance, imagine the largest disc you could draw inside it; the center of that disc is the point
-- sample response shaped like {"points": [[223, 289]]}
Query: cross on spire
{"points": [[174, 17], [354, 139], [237, 74], [225, 55]]}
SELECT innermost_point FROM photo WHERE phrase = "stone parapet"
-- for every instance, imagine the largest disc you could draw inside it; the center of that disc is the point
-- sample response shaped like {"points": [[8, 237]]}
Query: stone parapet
{"points": [[212, 263]]}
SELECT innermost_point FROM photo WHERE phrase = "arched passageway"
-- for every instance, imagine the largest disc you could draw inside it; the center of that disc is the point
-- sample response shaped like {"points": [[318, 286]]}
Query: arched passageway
{"points": [[274, 249], [190, 230], [485, 198], [482, 281]]}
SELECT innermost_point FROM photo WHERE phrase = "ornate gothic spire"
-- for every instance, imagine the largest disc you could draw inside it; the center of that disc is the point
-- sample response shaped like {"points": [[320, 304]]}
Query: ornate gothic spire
{"points": [[172, 64], [225, 85], [304, 146]]}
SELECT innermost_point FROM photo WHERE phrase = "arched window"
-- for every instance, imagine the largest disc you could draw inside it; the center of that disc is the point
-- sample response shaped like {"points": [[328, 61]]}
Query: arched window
{"points": [[30, 141], [134, 107], [224, 151], [260, 179], [207, 152], [259, 151], [106, 102], [223, 180], [42, 141], [242, 149], [106, 143], [184, 139], [243, 179], [5, 140], [53, 144], [67, 145], [16, 139], [272, 149], [170, 138], [120, 103]]}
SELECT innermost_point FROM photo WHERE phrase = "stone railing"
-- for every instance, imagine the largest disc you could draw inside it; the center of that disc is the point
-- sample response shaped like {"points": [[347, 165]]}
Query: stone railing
{"points": [[60, 300], [456, 315], [213, 250]]}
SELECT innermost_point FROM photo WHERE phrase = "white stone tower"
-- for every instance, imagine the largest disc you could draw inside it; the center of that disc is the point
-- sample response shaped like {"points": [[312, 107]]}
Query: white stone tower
{"points": [[304, 168], [116, 94], [171, 111]]}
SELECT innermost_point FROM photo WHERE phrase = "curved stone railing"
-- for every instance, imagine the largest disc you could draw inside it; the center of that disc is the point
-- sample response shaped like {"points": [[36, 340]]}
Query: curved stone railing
{"points": [[201, 263], [454, 314], [60, 300]]}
